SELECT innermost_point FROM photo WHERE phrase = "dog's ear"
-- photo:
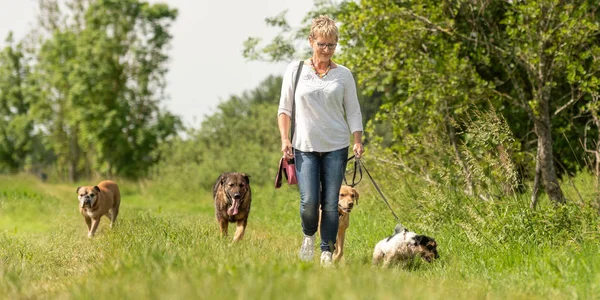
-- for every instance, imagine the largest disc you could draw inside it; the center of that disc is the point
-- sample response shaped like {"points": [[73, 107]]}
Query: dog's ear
{"points": [[431, 243], [97, 189], [246, 177], [78, 189], [423, 240], [223, 178], [356, 195]]}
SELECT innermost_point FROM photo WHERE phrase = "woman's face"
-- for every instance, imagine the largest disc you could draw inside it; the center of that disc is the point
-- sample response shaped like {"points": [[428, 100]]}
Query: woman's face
{"points": [[323, 47]]}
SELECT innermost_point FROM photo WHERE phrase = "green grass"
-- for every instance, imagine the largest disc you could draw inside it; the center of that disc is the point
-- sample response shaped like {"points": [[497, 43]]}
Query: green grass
{"points": [[166, 245]]}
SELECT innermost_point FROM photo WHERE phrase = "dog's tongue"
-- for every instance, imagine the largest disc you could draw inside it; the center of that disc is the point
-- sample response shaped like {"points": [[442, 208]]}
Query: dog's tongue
{"points": [[233, 210]]}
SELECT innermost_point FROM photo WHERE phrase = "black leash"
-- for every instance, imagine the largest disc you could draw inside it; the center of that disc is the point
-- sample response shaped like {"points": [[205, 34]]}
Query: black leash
{"points": [[356, 168], [359, 165]]}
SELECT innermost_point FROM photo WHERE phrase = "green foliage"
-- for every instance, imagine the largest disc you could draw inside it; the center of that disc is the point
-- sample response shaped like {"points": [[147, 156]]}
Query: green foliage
{"points": [[428, 67], [16, 124], [434, 63], [101, 74], [285, 45], [486, 155], [280, 48], [548, 54], [242, 136], [492, 154]]}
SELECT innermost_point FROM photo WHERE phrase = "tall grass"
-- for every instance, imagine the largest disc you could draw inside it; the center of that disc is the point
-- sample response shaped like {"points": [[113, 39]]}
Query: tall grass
{"points": [[166, 245]]}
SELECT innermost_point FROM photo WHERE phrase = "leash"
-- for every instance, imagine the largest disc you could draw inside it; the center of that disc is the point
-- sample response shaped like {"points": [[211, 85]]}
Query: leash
{"points": [[359, 165], [356, 167]]}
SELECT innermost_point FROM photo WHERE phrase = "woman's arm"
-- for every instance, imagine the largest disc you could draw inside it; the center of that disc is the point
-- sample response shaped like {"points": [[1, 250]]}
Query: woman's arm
{"points": [[283, 121]]}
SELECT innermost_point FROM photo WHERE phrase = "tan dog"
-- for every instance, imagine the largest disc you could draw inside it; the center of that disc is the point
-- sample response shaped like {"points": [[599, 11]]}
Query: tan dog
{"points": [[348, 198], [232, 197], [97, 201]]}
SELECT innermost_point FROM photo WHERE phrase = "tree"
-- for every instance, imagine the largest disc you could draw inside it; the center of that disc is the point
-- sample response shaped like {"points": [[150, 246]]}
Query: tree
{"points": [[534, 62], [103, 71], [546, 51], [16, 125]]}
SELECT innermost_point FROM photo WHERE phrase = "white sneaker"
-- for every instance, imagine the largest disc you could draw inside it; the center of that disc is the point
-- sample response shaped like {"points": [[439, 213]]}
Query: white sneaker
{"points": [[307, 251], [326, 259]]}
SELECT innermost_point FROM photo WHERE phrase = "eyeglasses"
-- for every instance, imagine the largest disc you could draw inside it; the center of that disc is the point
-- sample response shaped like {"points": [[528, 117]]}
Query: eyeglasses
{"points": [[323, 45]]}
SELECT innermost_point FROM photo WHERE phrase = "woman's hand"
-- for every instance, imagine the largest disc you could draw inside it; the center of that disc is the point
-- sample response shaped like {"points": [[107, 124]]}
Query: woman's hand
{"points": [[286, 149], [358, 150]]}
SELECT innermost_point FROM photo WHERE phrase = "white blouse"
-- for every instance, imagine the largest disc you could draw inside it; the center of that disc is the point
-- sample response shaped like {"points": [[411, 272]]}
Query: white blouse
{"points": [[327, 109]]}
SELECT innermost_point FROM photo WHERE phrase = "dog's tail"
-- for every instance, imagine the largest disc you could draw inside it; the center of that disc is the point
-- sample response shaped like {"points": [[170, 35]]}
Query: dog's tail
{"points": [[399, 228]]}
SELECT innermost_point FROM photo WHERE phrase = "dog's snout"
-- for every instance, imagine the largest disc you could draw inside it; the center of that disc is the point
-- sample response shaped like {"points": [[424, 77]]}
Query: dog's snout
{"points": [[237, 196], [350, 205], [430, 257]]}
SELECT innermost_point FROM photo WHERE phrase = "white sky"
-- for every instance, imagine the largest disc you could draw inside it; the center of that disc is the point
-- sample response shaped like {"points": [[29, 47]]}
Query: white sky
{"points": [[206, 64]]}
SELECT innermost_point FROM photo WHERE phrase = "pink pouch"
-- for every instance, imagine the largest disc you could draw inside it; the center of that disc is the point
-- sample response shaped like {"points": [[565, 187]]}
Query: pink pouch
{"points": [[287, 168]]}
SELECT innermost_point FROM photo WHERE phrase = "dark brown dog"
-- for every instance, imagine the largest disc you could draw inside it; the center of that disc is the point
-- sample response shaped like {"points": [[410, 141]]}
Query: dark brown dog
{"points": [[103, 199], [232, 202]]}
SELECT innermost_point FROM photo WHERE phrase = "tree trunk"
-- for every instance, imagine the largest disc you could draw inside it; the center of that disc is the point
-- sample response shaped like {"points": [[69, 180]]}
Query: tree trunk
{"points": [[536, 181], [545, 155], [74, 155]]}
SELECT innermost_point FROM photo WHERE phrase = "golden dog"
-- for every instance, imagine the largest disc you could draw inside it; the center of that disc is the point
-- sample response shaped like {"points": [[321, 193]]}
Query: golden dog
{"points": [[97, 201], [232, 197], [348, 198]]}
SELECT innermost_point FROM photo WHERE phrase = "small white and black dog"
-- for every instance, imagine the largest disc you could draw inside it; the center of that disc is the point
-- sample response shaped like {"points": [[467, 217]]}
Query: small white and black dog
{"points": [[403, 246]]}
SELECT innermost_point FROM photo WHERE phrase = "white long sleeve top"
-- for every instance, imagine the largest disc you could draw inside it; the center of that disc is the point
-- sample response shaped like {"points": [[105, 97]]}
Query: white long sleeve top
{"points": [[327, 109]]}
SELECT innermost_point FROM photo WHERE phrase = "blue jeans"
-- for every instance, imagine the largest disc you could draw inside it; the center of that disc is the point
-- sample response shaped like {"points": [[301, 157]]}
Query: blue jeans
{"points": [[320, 176]]}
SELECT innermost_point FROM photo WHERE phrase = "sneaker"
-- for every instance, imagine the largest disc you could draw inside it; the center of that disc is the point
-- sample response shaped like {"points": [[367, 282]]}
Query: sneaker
{"points": [[326, 259], [307, 251]]}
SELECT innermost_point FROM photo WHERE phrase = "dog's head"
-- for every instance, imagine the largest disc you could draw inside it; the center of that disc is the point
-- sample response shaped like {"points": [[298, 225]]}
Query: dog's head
{"points": [[87, 195], [236, 187], [348, 198], [426, 247]]}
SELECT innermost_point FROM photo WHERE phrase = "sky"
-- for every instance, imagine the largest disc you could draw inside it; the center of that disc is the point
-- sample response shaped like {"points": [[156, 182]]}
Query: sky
{"points": [[206, 65]]}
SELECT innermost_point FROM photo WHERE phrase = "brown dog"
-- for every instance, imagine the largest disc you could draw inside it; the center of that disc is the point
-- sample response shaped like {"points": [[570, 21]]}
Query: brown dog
{"points": [[348, 198], [232, 198], [97, 201]]}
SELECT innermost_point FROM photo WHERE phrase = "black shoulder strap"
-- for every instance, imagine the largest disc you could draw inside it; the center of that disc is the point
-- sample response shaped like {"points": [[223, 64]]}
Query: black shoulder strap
{"points": [[293, 123]]}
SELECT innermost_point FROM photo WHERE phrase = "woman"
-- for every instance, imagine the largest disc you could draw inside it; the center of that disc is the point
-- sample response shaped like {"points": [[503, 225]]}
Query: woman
{"points": [[326, 112]]}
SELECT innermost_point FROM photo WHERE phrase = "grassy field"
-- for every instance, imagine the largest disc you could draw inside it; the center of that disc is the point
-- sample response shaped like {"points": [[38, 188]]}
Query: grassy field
{"points": [[166, 246]]}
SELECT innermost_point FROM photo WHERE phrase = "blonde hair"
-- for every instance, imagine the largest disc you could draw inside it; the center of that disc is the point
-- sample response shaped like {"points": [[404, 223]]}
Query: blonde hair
{"points": [[323, 26]]}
